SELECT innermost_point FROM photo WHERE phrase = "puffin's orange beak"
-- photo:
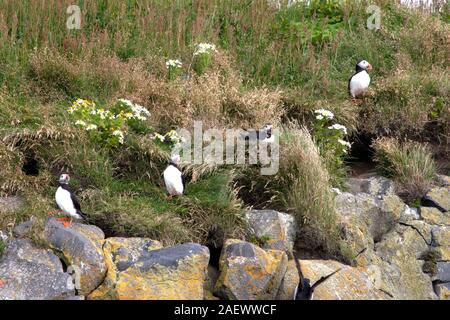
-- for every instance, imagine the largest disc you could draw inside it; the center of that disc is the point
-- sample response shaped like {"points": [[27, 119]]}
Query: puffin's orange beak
{"points": [[369, 67]]}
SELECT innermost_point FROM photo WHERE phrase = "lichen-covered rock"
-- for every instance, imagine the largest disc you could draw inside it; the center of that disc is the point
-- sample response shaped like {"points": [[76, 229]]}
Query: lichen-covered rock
{"points": [[439, 198], [443, 272], [373, 186], [347, 284], [80, 246], [30, 273], [141, 270], [247, 272], [444, 253], [400, 266], [443, 291], [121, 253], [435, 216], [409, 214], [277, 228], [377, 215], [289, 283], [441, 235]]}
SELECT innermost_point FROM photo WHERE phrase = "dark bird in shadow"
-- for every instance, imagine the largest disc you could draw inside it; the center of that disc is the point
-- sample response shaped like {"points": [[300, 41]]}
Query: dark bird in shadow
{"points": [[304, 290]]}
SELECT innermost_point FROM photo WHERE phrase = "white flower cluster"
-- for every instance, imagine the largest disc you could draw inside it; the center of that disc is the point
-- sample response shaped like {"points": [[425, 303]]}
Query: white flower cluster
{"points": [[338, 127], [174, 137], [119, 133], [138, 112], [3, 237], [346, 144], [324, 114], [205, 48], [158, 136], [173, 63]]}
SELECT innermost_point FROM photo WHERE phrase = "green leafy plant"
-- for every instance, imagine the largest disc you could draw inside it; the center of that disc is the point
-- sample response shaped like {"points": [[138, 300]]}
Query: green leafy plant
{"points": [[174, 69], [203, 57], [108, 127], [330, 139]]}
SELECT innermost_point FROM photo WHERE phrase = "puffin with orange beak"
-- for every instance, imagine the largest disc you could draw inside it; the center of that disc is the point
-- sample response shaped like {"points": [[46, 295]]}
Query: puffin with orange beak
{"points": [[67, 202], [359, 82]]}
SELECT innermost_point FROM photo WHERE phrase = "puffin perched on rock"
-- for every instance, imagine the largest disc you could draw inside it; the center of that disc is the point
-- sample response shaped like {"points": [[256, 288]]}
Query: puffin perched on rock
{"points": [[359, 82], [67, 202], [173, 177]]}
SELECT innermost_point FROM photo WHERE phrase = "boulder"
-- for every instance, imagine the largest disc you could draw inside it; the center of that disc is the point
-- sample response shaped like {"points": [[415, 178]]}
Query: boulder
{"points": [[439, 198], [441, 235], [141, 270], [443, 291], [409, 214], [347, 284], [276, 228], [400, 266], [289, 283], [435, 216], [121, 253], [80, 246], [247, 272], [30, 273], [443, 272], [373, 186]]}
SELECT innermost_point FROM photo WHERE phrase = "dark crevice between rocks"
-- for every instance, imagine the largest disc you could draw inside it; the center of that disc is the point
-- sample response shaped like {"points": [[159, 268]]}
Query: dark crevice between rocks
{"points": [[64, 264], [418, 231]]}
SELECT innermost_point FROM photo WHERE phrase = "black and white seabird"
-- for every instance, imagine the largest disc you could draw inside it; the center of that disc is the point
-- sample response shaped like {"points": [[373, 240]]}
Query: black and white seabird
{"points": [[304, 290], [173, 177], [360, 81], [265, 134], [67, 201]]}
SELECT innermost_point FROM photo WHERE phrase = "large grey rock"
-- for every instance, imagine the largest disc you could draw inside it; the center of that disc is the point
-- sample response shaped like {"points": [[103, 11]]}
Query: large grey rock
{"points": [[439, 198], [289, 283], [443, 272], [139, 269], [435, 216], [373, 186], [443, 180], [347, 284], [373, 215], [248, 272], [279, 229], [400, 268], [441, 235], [27, 272], [80, 246]]}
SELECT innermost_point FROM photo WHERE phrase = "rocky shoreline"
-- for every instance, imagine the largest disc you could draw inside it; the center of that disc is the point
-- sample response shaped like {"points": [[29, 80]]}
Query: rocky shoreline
{"points": [[403, 253]]}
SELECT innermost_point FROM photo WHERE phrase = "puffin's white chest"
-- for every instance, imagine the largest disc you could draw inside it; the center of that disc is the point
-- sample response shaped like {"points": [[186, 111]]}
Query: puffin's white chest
{"points": [[173, 180], [359, 83], [64, 202]]}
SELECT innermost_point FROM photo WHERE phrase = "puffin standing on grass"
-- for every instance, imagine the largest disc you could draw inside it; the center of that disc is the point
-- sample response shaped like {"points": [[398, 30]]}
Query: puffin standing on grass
{"points": [[359, 82], [173, 177], [67, 202]]}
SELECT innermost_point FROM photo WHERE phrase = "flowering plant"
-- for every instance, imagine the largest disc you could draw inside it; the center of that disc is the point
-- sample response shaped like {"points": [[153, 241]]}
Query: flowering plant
{"points": [[202, 57], [134, 114], [171, 137], [331, 139], [107, 127], [174, 68]]}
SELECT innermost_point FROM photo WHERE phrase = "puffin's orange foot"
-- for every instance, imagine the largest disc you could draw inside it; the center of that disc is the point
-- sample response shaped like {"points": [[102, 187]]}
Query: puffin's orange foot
{"points": [[62, 219], [67, 224], [2, 282]]}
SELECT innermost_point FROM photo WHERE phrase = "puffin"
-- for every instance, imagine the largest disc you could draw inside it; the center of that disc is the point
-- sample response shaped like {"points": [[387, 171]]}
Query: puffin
{"points": [[173, 178], [304, 290], [265, 134], [360, 81], [67, 202]]}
